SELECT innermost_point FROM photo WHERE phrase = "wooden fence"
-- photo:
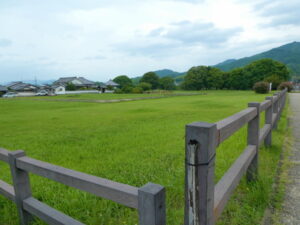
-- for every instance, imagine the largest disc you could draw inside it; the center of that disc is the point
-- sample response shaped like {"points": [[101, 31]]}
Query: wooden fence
{"points": [[205, 201], [149, 199]]}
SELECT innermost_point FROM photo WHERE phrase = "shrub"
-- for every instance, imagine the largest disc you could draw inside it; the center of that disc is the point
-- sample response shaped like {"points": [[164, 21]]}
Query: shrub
{"points": [[70, 87], [137, 90], [109, 87], [145, 86], [118, 91], [261, 87], [275, 80], [127, 89], [287, 85]]}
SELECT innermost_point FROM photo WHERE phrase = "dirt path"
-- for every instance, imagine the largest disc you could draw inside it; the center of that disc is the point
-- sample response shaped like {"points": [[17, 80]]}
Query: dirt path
{"points": [[291, 207]]}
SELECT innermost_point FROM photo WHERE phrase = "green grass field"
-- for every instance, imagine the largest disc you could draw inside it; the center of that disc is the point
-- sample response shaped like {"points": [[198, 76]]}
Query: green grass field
{"points": [[110, 96], [134, 143]]}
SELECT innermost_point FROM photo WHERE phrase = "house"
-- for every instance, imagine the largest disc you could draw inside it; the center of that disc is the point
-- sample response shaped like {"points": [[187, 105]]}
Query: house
{"points": [[58, 89], [112, 84], [3, 90], [54, 89], [78, 82], [23, 89]]}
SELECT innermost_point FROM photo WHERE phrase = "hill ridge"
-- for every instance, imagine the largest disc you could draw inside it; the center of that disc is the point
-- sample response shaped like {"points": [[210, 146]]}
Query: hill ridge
{"points": [[288, 54]]}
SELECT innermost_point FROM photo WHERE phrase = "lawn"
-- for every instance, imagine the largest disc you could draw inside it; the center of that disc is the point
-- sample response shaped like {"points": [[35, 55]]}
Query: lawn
{"points": [[130, 142], [111, 96]]}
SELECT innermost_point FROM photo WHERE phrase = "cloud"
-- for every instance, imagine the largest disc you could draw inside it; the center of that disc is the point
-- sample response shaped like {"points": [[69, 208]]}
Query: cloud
{"points": [[188, 1], [5, 42], [96, 57], [279, 13], [100, 39], [148, 48], [190, 33]]}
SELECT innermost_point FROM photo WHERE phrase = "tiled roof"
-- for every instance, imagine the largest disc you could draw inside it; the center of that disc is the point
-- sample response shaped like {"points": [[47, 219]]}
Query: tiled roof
{"points": [[66, 80], [14, 83], [20, 86], [3, 88], [85, 81], [111, 83]]}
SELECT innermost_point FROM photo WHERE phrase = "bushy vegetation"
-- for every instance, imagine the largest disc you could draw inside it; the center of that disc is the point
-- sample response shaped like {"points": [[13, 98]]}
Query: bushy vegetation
{"points": [[275, 80], [203, 77], [261, 87], [211, 78], [145, 86], [287, 85], [206, 77], [150, 78], [149, 81], [123, 81], [70, 87]]}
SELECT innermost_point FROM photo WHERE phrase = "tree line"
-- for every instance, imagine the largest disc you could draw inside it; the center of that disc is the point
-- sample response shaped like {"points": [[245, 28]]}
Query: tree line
{"points": [[207, 77], [149, 81], [244, 78]]}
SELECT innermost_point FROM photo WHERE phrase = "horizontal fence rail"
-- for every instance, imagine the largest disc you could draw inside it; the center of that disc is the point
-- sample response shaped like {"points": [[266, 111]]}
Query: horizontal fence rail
{"points": [[204, 200], [149, 200]]}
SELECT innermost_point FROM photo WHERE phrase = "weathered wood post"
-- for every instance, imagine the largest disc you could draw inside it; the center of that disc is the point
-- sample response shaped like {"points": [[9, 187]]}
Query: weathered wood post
{"points": [[275, 110], [279, 101], [285, 96], [21, 185], [200, 154], [268, 120], [152, 205], [253, 139]]}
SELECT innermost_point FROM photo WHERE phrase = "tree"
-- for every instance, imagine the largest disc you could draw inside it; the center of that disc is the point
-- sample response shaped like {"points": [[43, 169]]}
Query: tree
{"points": [[275, 80], [195, 78], [151, 78], [123, 81], [225, 80], [167, 83], [70, 87], [214, 78], [261, 69], [127, 89], [145, 86], [238, 80], [203, 77]]}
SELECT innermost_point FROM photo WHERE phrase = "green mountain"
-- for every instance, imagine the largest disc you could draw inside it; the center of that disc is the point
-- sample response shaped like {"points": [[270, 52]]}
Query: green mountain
{"points": [[164, 73], [288, 54], [168, 73]]}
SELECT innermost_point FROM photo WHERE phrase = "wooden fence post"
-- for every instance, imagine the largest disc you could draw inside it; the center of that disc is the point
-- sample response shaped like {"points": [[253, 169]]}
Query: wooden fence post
{"points": [[200, 154], [21, 185], [283, 95], [253, 139], [152, 205], [275, 110], [268, 120], [279, 101]]}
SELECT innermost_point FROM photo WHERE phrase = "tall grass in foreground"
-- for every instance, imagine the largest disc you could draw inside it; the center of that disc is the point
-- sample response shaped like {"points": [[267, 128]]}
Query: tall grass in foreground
{"points": [[130, 142]]}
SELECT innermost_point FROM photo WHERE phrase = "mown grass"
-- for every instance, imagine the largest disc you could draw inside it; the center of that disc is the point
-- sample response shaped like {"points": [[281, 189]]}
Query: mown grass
{"points": [[110, 96], [133, 143]]}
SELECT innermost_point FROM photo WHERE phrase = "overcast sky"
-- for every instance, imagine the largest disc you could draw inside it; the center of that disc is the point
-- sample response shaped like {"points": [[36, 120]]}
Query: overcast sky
{"points": [[100, 39]]}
